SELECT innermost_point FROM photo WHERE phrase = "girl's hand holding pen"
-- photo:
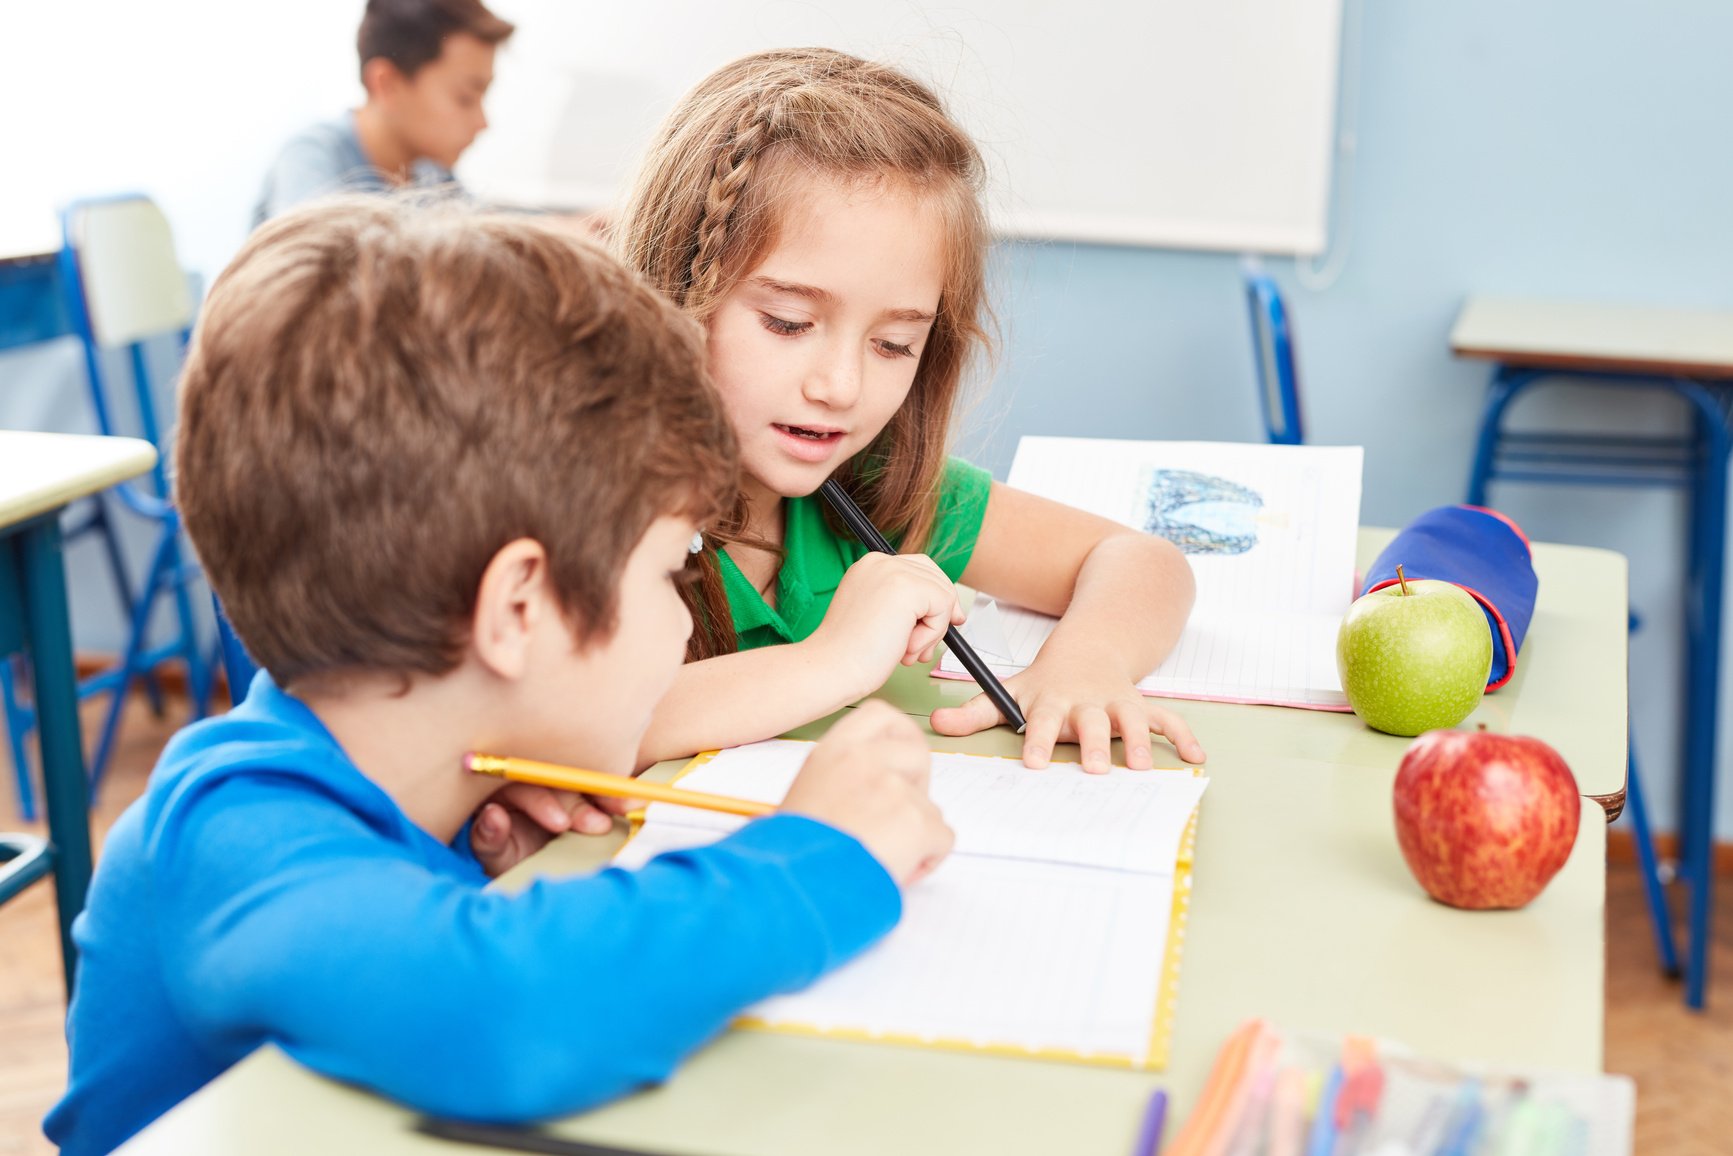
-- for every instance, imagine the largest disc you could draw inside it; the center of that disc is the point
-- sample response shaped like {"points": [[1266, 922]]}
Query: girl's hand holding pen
{"points": [[890, 609]]}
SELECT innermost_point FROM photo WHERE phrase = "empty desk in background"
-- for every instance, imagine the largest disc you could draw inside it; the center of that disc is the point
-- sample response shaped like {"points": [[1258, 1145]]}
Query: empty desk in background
{"points": [[1302, 911], [39, 475], [1689, 354]]}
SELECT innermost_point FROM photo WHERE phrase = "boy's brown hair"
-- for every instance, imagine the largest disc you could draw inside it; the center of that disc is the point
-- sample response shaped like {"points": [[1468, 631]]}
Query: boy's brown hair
{"points": [[411, 33], [383, 393]]}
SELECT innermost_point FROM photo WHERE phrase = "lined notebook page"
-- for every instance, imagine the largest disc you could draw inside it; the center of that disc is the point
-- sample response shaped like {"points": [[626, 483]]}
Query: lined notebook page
{"points": [[995, 953], [1124, 820], [1270, 533], [1044, 931]]}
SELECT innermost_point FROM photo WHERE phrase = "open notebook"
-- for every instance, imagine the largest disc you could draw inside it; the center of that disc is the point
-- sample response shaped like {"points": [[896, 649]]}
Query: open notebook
{"points": [[1053, 929], [1270, 532]]}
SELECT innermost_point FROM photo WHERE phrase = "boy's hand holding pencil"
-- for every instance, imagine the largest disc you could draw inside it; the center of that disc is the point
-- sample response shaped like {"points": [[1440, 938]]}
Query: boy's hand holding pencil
{"points": [[868, 778]]}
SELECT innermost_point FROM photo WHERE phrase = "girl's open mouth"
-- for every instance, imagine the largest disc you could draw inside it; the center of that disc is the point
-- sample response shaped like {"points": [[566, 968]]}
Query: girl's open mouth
{"points": [[812, 435], [805, 444]]}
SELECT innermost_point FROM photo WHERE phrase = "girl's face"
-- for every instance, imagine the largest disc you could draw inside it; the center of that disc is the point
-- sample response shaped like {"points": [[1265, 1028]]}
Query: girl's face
{"points": [[814, 350]]}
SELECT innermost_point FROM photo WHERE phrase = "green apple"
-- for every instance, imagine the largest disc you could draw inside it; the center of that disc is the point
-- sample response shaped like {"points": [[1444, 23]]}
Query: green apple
{"points": [[1414, 656]]}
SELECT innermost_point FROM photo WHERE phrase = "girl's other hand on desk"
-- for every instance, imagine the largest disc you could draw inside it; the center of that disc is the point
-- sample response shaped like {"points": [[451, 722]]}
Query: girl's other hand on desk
{"points": [[1075, 700]]}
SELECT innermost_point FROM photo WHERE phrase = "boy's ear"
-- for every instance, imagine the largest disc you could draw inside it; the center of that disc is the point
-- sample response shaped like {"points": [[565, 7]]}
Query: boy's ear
{"points": [[380, 77], [511, 604]]}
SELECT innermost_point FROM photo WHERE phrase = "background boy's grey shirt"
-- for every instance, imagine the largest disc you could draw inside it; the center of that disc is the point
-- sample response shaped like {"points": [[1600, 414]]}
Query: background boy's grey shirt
{"points": [[327, 158]]}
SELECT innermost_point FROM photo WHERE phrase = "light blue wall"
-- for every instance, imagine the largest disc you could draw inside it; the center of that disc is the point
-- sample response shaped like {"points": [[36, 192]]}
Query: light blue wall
{"points": [[1566, 148]]}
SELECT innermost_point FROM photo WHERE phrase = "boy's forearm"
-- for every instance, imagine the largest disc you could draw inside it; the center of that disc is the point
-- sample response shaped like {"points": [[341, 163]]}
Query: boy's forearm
{"points": [[1132, 598], [522, 1007], [721, 702], [660, 967]]}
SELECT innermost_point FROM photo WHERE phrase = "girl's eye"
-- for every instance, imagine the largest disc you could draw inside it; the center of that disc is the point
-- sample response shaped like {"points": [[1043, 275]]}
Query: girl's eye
{"points": [[892, 349], [785, 328]]}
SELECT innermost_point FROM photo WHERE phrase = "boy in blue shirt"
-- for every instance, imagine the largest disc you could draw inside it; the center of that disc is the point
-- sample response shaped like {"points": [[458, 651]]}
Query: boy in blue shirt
{"points": [[444, 471], [426, 66]]}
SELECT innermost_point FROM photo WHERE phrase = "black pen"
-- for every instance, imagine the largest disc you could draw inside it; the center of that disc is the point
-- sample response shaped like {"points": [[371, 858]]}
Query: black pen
{"points": [[871, 538], [516, 1139]]}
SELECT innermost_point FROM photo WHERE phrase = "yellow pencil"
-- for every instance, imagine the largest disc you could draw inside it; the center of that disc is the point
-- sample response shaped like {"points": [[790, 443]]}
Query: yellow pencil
{"points": [[602, 783]]}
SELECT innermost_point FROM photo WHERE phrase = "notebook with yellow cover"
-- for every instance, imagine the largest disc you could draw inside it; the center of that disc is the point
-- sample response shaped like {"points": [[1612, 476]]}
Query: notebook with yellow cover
{"points": [[1054, 930]]}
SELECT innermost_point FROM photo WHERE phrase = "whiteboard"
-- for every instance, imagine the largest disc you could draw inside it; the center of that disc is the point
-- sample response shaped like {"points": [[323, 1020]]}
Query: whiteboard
{"points": [[1175, 123]]}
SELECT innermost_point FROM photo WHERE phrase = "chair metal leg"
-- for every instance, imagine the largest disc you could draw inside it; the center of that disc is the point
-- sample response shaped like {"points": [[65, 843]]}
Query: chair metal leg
{"points": [[1660, 915], [1506, 383], [129, 663], [19, 720], [199, 672], [104, 527], [1703, 623]]}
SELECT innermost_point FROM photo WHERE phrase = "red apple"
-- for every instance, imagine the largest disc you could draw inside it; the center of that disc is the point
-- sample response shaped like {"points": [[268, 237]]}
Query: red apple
{"points": [[1484, 820]]}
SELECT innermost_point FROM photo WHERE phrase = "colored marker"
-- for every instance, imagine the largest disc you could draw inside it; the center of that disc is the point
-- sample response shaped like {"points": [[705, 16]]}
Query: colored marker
{"points": [[1154, 1116]]}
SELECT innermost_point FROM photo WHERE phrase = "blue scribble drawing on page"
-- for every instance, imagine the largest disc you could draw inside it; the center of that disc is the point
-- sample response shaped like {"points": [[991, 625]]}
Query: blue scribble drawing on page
{"points": [[1201, 513]]}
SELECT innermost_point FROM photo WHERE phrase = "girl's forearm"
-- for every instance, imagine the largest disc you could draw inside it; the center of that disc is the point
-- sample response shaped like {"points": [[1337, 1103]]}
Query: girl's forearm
{"points": [[745, 697], [1131, 601]]}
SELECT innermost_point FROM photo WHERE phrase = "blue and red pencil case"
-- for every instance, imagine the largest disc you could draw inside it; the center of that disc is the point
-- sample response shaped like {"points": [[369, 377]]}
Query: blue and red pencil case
{"points": [[1481, 551]]}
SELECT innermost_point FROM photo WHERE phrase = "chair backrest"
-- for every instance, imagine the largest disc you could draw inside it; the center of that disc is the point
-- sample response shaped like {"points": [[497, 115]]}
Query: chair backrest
{"points": [[124, 286], [1273, 358], [133, 285]]}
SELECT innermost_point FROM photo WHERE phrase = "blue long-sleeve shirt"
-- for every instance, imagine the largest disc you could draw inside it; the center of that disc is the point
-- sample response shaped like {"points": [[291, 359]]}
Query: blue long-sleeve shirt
{"points": [[264, 890]]}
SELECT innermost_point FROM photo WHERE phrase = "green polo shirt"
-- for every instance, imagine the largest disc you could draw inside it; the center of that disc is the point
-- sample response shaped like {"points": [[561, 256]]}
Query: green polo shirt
{"points": [[815, 559]]}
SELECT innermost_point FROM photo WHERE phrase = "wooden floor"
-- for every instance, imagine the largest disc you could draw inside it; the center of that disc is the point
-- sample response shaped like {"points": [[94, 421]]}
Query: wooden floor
{"points": [[1683, 1063]]}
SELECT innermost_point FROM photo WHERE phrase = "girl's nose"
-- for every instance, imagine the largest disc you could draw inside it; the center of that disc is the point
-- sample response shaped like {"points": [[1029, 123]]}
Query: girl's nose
{"points": [[835, 381]]}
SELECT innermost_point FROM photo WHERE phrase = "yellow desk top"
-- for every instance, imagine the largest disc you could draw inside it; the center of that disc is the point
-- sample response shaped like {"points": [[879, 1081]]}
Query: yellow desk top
{"points": [[40, 472], [1302, 912]]}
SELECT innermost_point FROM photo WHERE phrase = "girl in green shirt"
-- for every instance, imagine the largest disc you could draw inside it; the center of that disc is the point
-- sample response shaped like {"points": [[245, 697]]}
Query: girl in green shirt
{"points": [[820, 215]]}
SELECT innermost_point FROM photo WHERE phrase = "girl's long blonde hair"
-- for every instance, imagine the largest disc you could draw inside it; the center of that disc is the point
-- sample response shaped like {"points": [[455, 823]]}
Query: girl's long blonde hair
{"points": [[706, 209]]}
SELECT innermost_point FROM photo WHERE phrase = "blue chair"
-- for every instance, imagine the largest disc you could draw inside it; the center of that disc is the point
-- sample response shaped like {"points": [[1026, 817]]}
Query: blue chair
{"points": [[124, 287], [1273, 358]]}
